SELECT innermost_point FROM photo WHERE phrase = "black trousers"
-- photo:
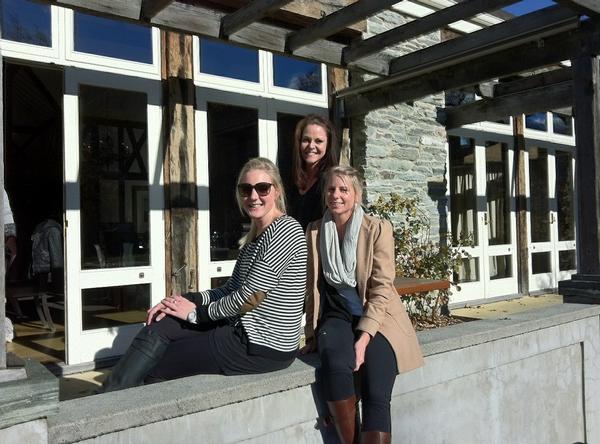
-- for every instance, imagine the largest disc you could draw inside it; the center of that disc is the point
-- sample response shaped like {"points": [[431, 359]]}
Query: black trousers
{"points": [[211, 348], [376, 377]]}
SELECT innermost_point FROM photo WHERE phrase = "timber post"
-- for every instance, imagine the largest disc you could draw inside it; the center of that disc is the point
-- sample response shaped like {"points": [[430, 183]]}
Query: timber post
{"points": [[521, 204], [181, 202], [2, 259], [584, 287]]}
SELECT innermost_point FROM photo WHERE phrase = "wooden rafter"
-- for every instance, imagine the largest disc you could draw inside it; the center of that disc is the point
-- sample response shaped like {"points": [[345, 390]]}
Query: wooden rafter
{"points": [[512, 33], [426, 24], [150, 8], [250, 13], [543, 79], [336, 21], [530, 101]]}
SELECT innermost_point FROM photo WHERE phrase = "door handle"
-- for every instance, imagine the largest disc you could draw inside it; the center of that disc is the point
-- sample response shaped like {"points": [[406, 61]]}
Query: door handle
{"points": [[485, 218], [552, 218]]}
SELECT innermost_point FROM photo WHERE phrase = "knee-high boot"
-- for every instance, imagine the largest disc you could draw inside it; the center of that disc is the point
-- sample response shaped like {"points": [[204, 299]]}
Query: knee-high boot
{"points": [[143, 354], [375, 438], [345, 419]]}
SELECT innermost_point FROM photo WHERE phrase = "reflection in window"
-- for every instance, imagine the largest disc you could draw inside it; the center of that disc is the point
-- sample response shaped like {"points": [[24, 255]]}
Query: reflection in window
{"points": [[562, 124], [232, 140], [222, 59], [564, 196], [541, 262], [113, 178], [297, 74], [500, 267], [468, 271], [286, 125], [218, 282], [112, 38], [462, 188], [114, 306], [538, 190], [26, 22], [567, 260], [537, 121], [497, 198]]}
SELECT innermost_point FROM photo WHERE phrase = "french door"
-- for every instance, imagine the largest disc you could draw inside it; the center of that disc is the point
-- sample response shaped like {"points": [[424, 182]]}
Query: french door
{"points": [[114, 210], [482, 207], [231, 129], [551, 214]]}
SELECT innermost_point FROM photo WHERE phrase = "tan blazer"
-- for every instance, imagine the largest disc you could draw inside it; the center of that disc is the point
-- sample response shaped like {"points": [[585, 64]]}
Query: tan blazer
{"points": [[375, 273]]}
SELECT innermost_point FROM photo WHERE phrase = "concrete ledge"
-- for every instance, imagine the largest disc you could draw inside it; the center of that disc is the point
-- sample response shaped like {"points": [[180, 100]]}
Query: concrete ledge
{"points": [[86, 418], [30, 398]]}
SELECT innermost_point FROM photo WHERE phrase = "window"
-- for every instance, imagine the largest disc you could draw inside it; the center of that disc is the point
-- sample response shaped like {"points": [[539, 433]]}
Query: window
{"points": [[26, 22], [112, 38], [562, 124], [297, 74], [537, 121], [221, 59]]}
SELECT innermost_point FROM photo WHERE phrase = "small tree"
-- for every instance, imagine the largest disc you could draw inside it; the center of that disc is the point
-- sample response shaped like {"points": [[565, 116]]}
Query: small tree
{"points": [[417, 255]]}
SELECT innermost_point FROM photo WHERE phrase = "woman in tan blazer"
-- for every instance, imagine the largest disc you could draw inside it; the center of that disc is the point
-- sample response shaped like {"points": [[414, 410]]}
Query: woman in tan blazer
{"points": [[355, 319]]}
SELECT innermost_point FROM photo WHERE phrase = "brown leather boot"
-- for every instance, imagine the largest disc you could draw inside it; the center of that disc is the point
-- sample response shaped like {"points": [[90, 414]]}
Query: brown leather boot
{"points": [[375, 438], [344, 418]]}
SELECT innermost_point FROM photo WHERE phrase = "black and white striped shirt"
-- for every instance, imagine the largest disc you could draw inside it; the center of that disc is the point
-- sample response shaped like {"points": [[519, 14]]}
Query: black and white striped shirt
{"points": [[275, 263]]}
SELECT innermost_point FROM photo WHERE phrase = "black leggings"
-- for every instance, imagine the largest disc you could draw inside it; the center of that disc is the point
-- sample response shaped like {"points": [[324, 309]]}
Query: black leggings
{"points": [[213, 348], [335, 343]]}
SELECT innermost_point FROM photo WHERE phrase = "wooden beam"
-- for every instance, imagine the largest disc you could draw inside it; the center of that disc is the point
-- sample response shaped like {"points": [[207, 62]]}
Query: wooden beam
{"points": [[363, 98], [526, 102], [336, 21], [590, 7], [535, 81], [252, 12], [515, 32], [420, 26], [152, 7], [520, 166], [129, 9]]}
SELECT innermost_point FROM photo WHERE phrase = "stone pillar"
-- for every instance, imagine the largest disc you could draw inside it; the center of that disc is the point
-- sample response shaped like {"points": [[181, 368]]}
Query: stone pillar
{"points": [[584, 286]]}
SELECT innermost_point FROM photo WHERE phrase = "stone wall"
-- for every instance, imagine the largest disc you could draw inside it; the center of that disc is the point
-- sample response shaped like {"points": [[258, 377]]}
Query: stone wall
{"points": [[402, 148]]}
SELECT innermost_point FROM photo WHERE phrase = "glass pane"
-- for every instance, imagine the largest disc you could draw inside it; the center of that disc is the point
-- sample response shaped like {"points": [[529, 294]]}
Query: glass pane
{"points": [[232, 140], [463, 198], [26, 22], [564, 196], [538, 187], [541, 262], [112, 38], [114, 306], [537, 121], [113, 178], [468, 271], [497, 199], [297, 74], [567, 260], [500, 267], [218, 282], [562, 124], [221, 59], [286, 125]]}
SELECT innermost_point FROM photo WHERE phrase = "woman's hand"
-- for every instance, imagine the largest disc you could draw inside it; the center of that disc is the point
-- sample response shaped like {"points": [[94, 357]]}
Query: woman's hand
{"points": [[176, 306], [309, 347], [360, 347]]}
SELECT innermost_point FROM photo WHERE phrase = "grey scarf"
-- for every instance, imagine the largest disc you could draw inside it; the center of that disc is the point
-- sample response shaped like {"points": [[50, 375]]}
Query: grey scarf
{"points": [[339, 265]]}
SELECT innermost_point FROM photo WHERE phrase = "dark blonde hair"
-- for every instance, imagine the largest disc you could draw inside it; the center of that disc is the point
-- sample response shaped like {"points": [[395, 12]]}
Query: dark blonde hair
{"points": [[345, 172], [263, 164], [331, 156]]}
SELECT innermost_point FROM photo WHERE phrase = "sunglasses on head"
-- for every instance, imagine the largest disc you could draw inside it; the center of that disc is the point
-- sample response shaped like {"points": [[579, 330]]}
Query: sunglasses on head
{"points": [[262, 188]]}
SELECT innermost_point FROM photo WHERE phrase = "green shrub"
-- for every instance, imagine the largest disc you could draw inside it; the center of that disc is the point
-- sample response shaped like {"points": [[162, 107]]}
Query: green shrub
{"points": [[417, 255]]}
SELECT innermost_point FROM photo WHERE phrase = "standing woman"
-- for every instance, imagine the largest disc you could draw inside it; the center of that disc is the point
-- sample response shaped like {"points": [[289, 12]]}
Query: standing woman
{"points": [[355, 318], [251, 324], [314, 152]]}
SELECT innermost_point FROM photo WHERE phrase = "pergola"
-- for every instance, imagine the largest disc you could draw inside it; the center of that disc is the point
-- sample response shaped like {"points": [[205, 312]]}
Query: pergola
{"points": [[522, 46]]}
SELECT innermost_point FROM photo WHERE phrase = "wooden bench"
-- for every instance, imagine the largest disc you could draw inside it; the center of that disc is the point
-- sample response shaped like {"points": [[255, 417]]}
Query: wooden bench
{"points": [[405, 286]]}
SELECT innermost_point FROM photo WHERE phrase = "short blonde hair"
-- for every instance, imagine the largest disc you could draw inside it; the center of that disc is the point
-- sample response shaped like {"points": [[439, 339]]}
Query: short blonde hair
{"points": [[346, 172], [263, 164]]}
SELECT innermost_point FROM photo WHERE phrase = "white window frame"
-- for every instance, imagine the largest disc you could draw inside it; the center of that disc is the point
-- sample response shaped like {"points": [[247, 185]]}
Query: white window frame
{"points": [[264, 87]]}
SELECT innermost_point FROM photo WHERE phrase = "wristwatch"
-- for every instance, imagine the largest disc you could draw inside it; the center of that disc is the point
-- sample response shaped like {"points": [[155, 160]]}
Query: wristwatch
{"points": [[192, 317]]}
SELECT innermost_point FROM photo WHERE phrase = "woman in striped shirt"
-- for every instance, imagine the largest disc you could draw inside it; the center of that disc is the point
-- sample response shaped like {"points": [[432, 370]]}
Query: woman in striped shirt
{"points": [[252, 323]]}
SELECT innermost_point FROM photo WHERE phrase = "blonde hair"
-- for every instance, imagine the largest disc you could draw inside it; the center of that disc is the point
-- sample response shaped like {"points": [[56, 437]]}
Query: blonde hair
{"points": [[346, 172], [263, 164]]}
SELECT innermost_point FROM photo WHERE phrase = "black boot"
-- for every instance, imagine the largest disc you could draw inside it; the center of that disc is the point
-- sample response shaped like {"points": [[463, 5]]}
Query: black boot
{"points": [[142, 355]]}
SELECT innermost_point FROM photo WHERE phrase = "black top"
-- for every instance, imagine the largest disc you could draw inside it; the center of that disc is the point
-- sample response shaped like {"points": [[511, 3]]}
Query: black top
{"points": [[307, 207]]}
